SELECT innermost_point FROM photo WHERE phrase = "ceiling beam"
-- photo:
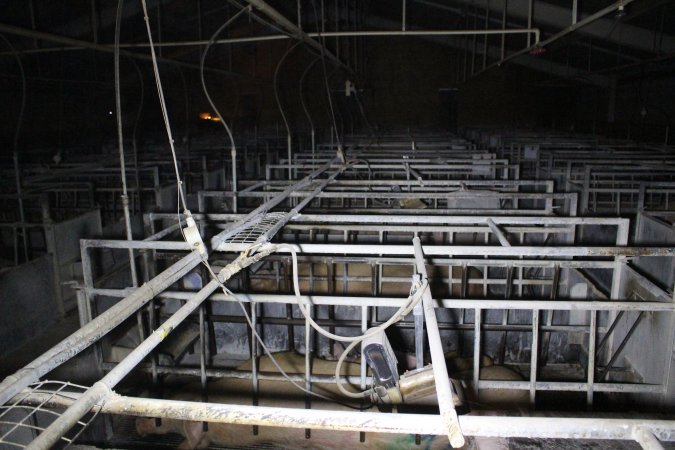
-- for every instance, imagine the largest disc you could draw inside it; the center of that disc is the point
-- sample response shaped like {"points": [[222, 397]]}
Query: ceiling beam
{"points": [[294, 30], [548, 15], [537, 63], [77, 43]]}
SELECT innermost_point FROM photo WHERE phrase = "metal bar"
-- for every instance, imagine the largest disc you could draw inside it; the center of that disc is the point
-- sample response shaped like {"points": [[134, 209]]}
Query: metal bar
{"points": [[478, 318], [503, 240], [244, 40], [79, 44], [427, 424], [218, 239], [604, 339], [621, 346], [395, 302], [504, 13], [466, 250], [534, 356], [295, 211], [570, 386], [295, 31], [418, 315], [646, 439], [572, 28], [421, 219], [120, 144], [562, 386], [124, 244], [530, 13], [575, 13], [590, 376], [443, 387]]}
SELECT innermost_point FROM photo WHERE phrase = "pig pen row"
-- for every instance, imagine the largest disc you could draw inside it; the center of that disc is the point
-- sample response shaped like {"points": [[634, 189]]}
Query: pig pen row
{"points": [[520, 317]]}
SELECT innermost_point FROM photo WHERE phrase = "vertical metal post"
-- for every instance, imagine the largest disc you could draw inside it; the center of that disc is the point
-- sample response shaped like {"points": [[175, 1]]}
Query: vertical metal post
{"points": [[418, 315], [337, 28], [19, 196], [590, 376], [403, 21], [575, 13], [233, 153], [254, 358], [84, 313], [299, 7], [476, 351], [619, 261], [534, 357], [530, 11], [475, 40], [485, 38], [504, 14], [364, 367], [202, 358], [308, 358]]}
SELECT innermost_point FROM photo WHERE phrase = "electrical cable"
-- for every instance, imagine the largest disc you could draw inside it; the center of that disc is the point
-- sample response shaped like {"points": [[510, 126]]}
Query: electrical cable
{"points": [[276, 87], [120, 141], [134, 133], [281, 109], [205, 261], [247, 317], [186, 99], [162, 103], [227, 23], [325, 73], [413, 299], [301, 92]]}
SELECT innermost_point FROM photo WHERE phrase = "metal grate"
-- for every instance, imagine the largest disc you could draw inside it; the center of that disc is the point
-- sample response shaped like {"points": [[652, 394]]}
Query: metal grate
{"points": [[29, 414], [256, 228]]}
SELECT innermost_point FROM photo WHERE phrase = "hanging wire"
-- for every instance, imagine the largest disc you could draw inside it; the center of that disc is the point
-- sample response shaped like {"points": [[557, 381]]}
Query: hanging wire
{"points": [[201, 73], [205, 262], [301, 91], [325, 74], [162, 104], [276, 85], [120, 141], [134, 133]]}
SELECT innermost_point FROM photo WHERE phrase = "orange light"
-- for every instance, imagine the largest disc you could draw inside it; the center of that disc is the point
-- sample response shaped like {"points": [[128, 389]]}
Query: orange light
{"points": [[215, 119], [205, 116]]}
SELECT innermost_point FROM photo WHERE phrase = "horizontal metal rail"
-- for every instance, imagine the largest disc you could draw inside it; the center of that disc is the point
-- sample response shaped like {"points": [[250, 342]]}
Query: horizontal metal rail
{"points": [[425, 424], [395, 302]]}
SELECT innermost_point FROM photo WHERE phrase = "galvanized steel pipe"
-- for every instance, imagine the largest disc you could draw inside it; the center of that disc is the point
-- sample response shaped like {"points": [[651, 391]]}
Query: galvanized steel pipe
{"points": [[443, 386]]}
